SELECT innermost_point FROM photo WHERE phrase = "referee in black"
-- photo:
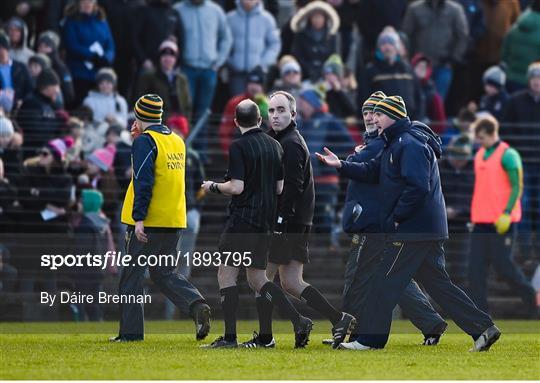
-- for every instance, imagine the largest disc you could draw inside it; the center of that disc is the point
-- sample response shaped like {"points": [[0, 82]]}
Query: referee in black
{"points": [[289, 250], [254, 180]]}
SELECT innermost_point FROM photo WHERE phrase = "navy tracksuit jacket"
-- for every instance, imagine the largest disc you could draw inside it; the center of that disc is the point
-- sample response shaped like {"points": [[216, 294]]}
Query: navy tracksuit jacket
{"points": [[367, 247]]}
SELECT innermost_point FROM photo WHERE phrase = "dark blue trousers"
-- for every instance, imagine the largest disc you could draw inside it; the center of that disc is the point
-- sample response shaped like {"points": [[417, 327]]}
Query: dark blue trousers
{"points": [[423, 261], [488, 247], [365, 255], [173, 285]]}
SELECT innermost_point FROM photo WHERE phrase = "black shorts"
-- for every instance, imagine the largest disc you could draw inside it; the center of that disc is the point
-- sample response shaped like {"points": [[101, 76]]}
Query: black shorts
{"points": [[294, 245], [248, 240]]}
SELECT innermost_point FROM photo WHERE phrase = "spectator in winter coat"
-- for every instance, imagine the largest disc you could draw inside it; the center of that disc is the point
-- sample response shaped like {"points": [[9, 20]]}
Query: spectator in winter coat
{"points": [[495, 97], [255, 42], [89, 44], [290, 73], [315, 27], [339, 103], [18, 37], [390, 74], [48, 43], [106, 104], [36, 64], [207, 45], [438, 28], [166, 24], [435, 115], [167, 80], [38, 115], [521, 46], [15, 83]]}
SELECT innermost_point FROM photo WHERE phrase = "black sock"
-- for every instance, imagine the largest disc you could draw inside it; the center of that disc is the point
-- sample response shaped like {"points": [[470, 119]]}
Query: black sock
{"points": [[316, 301], [264, 311], [229, 304], [274, 294]]}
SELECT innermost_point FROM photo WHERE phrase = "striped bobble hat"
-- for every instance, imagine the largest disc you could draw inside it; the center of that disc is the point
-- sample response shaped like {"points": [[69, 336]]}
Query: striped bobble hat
{"points": [[372, 100], [149, 108], [392, 106]]}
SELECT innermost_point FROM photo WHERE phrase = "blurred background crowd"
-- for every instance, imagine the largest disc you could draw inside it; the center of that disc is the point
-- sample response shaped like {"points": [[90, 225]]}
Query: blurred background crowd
{"points": [[70, 71]]}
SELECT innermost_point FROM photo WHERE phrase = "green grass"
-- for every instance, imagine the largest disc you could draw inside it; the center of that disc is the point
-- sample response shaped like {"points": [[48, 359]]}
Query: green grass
{"points": [[81, 351]]}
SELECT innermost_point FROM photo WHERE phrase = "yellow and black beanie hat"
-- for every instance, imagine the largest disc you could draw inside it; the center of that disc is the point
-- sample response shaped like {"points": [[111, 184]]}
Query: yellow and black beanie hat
{"points": [[392, 106], [372, 100], [149, 108]]}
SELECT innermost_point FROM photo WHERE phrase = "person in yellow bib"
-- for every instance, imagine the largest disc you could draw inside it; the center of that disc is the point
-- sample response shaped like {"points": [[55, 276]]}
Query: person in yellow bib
{"points": [[495, 210], [154, 211]]}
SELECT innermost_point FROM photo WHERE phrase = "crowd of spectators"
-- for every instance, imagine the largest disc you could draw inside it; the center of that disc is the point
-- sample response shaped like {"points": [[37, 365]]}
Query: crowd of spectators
{"points": [[70, 71]]}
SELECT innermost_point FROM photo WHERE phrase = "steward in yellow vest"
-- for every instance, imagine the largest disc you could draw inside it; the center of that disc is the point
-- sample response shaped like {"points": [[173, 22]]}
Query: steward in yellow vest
{"points": [[156, 193], [155, 211]]}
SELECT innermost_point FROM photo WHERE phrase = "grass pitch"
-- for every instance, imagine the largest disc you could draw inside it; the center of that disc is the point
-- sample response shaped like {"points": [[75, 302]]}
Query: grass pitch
{"points": [[81, 351]]}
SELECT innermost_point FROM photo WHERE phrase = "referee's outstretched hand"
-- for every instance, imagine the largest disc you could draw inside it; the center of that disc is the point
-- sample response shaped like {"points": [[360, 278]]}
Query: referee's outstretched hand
{"points": [[330, 159]]}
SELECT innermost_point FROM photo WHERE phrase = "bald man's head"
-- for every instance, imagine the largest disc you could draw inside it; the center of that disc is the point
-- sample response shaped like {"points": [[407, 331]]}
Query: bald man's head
{"points": [[247, 114]]}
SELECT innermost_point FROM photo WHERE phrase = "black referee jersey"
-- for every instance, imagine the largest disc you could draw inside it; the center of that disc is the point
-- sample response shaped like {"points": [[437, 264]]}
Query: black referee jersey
{"points": [[256, 159]]}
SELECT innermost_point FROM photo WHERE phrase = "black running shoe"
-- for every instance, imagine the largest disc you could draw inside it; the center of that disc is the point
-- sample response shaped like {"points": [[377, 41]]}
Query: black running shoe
{"points": [[201, 317], [302, 331], [345, 325], [221, 343], [434, 338], [328, 341], [256, 342]]}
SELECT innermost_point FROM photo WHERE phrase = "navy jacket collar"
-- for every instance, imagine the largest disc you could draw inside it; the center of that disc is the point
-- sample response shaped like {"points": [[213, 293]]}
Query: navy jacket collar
{"points": [[394, 130], [370, 136], [159, 129]]}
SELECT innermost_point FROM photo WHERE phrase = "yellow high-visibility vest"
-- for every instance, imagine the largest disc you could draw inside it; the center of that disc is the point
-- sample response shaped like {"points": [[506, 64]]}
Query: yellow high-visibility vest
{"points": [[168, 204]]}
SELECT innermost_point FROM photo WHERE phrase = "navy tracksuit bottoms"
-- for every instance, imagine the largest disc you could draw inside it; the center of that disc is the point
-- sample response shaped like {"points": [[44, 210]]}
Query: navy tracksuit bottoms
{"points": [[175, 287], [365, 255], [423, 261]]}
